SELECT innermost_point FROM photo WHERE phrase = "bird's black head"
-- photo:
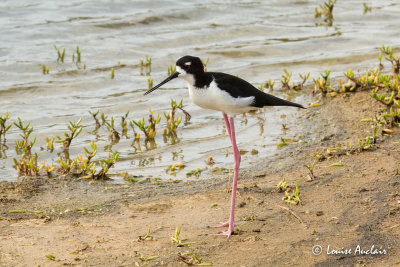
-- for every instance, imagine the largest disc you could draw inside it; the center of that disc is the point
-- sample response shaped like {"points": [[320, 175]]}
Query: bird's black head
{"points": [[189, 65], [186, 68]]}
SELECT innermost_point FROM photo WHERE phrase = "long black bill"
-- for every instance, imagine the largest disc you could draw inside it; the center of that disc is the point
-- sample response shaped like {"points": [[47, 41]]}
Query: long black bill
{"points": [[173, 76]]}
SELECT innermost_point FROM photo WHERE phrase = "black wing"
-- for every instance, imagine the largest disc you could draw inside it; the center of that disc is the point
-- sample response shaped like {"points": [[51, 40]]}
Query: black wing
{"points": [[237, 87]]}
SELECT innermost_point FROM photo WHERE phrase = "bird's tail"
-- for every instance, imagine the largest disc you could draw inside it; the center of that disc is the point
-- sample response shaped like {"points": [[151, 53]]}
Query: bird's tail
{"points": [[270, 100]]}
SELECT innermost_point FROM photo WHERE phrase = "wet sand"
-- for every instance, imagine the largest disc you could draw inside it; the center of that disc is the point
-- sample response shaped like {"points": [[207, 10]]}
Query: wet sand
{"points": [[85, 223]]}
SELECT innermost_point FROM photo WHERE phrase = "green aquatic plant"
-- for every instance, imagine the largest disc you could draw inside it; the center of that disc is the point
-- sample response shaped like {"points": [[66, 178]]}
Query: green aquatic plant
{"points": [[113, 134], [195, 172], [323, 83], [171, 69], [78, 55], [45, 69], [326, 10], [388, 51], [286, 76], [205, 63], [146, 66], [270, 85], [285, 81], [148, 129], [49, 144], [103, 118], [366, 8], [60, 54], [24, 145], [300, 85], [150, 82], [49, 168], [83, 164], [94, 115], [74, 130], [27, 165], [112, 73], [4, 127], [136, 136], [124, 124], [172, 122], [106, 164], [65, 166]]}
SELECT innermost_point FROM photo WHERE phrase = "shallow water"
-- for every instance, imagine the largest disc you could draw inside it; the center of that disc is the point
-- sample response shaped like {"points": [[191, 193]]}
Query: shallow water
{"points": [[252, 39]]}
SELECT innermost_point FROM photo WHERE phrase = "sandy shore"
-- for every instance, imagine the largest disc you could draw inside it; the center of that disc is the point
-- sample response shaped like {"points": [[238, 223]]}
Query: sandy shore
{"points": [[350, 208]]}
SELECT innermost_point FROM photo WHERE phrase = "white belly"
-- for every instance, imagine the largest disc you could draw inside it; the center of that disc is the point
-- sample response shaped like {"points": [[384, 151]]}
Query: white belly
{"points": [[217, 99]]}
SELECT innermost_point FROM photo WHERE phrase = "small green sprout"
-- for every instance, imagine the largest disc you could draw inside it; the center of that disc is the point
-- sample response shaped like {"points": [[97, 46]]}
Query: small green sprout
{"points": [[323, 83], [84, 165], [50, 257], [49, 168], [171, 70], [282, 186], [192, 259], [24, 145], [124, 124], [326, 10], [112, 73], [270, 85], [60, 54], [45, 69], [366, 8], [283, 142], [311, 170], [49, 143], [146, 236], [27, 166], [196, 173], [113, 134], [286, 79], [106, 164], [205, 63], [74, 130], [66, 166], [149, 129], [142, 258], [3, 127], [150, 82], [145, 65], [94, 115], [294, 199], [103, 118], [179, 242], [78, 55]]}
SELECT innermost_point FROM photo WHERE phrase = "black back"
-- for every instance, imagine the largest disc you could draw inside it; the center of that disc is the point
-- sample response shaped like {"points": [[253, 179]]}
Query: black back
{"points": [[237, 87]]}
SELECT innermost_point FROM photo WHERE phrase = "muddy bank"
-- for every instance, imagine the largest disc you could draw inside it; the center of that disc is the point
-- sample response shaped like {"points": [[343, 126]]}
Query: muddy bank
{"points": [[353, 201]]}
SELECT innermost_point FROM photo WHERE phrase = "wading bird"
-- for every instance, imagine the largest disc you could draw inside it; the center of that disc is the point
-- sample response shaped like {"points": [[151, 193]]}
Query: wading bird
{"points": [[228, 94]]}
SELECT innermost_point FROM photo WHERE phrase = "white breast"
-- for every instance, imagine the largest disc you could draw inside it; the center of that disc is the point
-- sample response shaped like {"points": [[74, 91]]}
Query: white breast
{"points": [[217, 99]]}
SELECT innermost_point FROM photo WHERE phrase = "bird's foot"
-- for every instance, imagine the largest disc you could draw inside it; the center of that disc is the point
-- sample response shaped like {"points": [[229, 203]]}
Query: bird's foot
{"points": [[226, 233], [223, 224]]}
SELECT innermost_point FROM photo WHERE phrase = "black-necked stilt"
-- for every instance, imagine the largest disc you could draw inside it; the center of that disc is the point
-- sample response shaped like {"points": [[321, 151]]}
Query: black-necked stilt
{"points": [[226, 93]]}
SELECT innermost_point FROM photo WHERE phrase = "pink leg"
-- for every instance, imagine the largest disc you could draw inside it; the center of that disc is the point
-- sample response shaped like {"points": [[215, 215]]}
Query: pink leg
{"points": [[237, 158], [228, 129], [228, 126]]}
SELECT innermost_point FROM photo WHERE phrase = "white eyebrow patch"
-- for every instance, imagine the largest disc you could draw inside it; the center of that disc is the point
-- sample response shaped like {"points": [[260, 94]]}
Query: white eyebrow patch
{"points": [[188, 63]]}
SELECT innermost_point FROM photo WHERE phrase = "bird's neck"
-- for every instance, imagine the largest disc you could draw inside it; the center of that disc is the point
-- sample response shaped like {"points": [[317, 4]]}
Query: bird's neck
{"points": [[202, 80]]}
